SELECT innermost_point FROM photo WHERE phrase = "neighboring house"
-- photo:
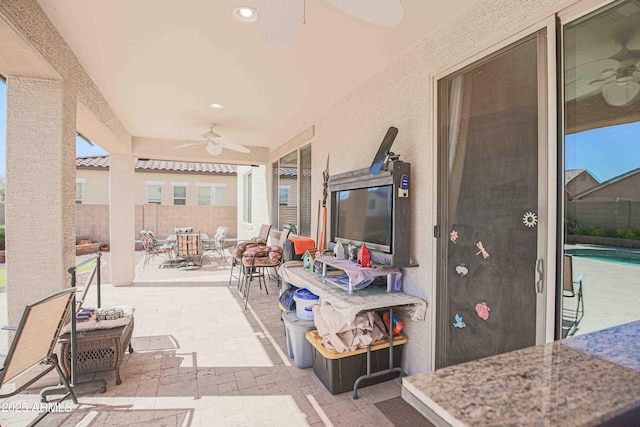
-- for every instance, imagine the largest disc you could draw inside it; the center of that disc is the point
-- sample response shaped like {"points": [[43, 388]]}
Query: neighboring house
{"points": [[160, 182], [576, 181], [614, 203], [621, 187], [167, 194]]}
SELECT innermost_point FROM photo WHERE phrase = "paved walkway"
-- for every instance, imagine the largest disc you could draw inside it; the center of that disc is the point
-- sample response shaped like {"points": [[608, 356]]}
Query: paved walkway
{"points": [[200, 359]]}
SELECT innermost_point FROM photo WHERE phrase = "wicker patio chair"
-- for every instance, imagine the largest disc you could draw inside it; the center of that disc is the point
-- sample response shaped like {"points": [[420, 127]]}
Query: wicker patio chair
{"points": [[34, 341]]}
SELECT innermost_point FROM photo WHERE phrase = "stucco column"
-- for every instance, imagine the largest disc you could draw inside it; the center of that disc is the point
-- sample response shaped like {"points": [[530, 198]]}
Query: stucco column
{"points": [[122, 218], [40, 192]]}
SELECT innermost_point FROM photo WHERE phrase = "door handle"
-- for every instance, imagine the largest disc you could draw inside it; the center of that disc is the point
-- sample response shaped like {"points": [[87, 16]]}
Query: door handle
{"points": [[539, 276]]}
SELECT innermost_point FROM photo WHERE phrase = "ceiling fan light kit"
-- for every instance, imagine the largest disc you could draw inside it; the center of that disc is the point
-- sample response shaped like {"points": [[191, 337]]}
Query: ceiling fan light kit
{"points": [[621, 92], [214, 143]]}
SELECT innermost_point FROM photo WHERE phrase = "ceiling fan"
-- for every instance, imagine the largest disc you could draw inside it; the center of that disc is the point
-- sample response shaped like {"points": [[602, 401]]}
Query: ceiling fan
{"points": [[617, 77], [215, 143], [280, 20]]}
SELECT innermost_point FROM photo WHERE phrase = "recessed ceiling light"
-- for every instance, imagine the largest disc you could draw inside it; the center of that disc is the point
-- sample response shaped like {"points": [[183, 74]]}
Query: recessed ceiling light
{"points": [[216, 105], [245, 14]]}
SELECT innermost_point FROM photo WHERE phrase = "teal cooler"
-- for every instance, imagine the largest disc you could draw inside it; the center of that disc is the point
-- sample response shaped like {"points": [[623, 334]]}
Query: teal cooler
{"points": [[297, 345]]}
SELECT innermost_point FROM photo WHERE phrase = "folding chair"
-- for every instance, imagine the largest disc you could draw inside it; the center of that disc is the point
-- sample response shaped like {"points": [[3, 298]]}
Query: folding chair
{"points": [[571, 288], [34, 342]]}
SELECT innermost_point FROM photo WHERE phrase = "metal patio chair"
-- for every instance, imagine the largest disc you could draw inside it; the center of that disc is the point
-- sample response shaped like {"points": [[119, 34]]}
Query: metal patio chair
{"points": [[153, 247], [215, 245], [34, 342], [256, 261], [188, 250], [238, 250], [572, 312]]}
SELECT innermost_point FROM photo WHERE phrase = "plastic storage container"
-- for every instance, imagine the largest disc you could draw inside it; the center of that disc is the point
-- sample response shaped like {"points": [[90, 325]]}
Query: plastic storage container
{"points": [[305, 300], [297, 345], [339, 371]]}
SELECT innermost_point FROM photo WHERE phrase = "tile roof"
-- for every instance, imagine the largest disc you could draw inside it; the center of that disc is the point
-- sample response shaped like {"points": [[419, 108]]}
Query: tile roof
{"points": [[102, 161]]}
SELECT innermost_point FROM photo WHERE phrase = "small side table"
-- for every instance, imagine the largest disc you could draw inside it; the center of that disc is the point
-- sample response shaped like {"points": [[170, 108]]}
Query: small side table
{"points": [[98, 350]]}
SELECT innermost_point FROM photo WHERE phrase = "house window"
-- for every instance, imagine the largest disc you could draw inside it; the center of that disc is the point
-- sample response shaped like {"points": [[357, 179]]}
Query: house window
{"points": [[247, 197], [292, 191], [78, 193], [154, 194], [210, 196], [180, 195]]}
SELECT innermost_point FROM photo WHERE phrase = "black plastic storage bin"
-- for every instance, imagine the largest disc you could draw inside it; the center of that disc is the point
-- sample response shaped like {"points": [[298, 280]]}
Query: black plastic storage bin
{"points": [[339, 371]]}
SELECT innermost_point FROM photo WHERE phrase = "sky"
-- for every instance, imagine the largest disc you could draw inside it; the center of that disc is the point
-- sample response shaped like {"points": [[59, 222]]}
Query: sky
{"points": [[605, 152]]}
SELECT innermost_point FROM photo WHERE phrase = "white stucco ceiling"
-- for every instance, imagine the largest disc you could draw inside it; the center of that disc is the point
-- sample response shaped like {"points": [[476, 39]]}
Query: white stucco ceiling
{"points": [[159, 64]]}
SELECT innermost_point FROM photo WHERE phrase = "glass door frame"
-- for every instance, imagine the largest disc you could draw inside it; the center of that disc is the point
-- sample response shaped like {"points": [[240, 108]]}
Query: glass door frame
{"points": [[547, 175], [564, 17]]}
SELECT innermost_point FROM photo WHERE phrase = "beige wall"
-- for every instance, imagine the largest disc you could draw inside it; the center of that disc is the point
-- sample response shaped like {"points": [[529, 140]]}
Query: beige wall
{"points": [[228, 184], [352, 128], [96, 186], [627, 188], [580, 183], [92, 221]]}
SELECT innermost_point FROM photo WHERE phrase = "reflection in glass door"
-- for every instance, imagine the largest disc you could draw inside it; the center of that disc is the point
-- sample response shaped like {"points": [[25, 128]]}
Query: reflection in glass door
{"points": [[601, 280]]}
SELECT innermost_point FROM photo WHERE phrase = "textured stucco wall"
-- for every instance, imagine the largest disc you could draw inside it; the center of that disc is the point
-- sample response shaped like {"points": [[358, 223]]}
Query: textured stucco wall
{"points": [[44, 84], [352, 128], [40, 119]]}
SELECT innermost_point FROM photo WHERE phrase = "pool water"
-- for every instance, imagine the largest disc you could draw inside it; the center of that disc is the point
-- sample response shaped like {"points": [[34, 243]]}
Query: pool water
{"points": [[608, 255]]}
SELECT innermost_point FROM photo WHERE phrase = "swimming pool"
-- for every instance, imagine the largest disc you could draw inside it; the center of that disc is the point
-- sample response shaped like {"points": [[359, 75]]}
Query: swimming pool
{"points": [[621, 256]]}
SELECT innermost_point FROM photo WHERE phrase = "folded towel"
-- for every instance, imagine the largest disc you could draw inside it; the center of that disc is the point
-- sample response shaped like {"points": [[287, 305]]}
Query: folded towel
{"points": [[301, 244]]}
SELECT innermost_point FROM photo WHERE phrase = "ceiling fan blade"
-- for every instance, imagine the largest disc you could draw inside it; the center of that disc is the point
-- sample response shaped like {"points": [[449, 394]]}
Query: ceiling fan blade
{"points": [[386, 13], [189, 144], [226, 143]]}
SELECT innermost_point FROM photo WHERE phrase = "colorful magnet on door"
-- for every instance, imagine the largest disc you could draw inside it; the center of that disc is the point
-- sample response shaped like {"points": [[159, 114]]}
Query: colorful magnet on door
{"points": [[482, 250], [530, 219], [453, 236], [462, 270], [459, 323], [483, 310]]}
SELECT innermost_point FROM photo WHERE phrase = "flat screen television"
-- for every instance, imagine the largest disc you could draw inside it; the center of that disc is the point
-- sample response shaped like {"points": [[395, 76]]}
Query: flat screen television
{"points": [[364, 216], [374, 209]]}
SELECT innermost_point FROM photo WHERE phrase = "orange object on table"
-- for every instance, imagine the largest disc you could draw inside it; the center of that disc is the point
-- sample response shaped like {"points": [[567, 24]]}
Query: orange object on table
{"points": [[301, 244]]}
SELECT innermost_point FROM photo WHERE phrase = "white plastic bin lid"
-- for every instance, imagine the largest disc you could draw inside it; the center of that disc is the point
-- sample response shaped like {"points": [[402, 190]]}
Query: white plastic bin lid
{"points": [[292, 319], [304, 293]]}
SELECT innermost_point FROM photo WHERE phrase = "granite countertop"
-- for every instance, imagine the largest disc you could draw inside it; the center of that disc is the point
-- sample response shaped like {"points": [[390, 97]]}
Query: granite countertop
{"points": [[583, 381]]}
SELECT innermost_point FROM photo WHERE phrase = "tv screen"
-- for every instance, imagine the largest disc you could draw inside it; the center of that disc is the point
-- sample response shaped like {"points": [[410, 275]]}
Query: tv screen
{"points": [[365, 215]]}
